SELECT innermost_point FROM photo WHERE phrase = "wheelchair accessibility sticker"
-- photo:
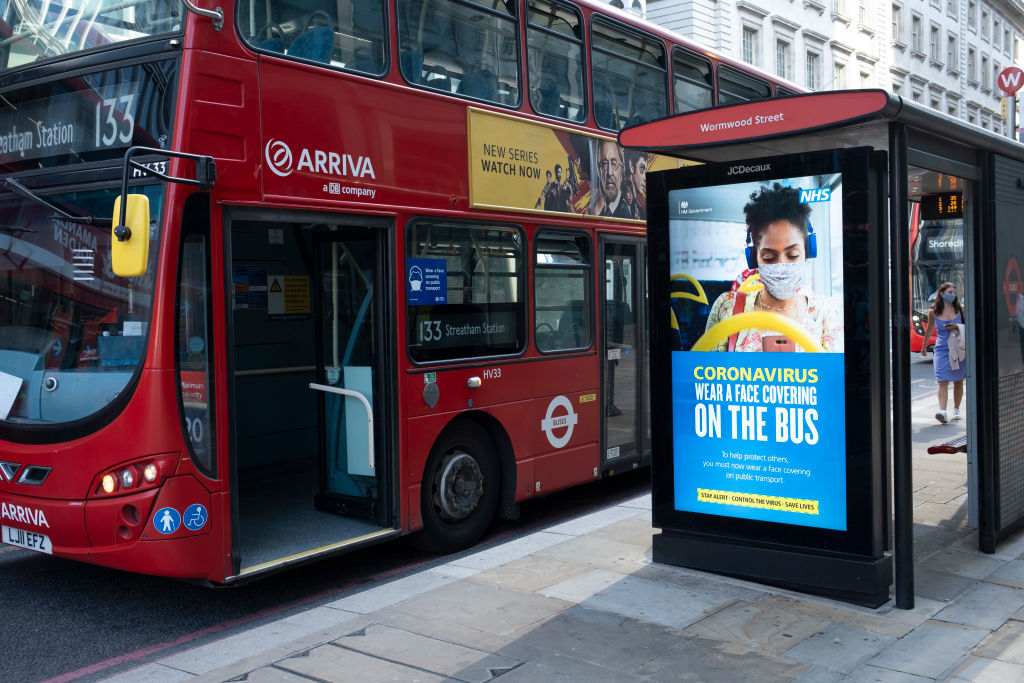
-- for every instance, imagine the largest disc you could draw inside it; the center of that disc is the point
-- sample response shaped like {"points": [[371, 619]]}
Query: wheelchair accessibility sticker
{"points": [[195, 517]]}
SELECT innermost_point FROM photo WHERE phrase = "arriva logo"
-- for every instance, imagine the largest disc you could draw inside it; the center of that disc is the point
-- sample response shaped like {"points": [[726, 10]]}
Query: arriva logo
{"points": [[279, 157], [279, 160]]}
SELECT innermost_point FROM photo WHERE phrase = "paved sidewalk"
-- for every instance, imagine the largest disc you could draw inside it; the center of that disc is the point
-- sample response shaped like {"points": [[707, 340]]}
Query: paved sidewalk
{"points": [[582, 601]]}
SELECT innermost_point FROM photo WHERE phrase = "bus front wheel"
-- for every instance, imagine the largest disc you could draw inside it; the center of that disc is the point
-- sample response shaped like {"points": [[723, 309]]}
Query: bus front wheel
{"points": [[460, 489]]}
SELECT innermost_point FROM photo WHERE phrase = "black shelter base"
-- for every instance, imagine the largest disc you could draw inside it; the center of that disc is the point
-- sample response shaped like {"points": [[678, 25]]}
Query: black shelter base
{"points": [[861, 581]]}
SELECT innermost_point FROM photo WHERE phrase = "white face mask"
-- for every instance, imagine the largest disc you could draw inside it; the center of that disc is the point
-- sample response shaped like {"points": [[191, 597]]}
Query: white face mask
{"points": [[782, 280]]}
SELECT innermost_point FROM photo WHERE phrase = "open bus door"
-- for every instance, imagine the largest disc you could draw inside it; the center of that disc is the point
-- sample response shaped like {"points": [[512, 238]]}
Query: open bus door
{"points": [[312, 470]]}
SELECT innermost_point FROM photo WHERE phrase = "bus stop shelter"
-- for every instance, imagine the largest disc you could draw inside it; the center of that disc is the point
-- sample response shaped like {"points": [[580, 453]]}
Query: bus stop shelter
{"points": [[926, 153]]}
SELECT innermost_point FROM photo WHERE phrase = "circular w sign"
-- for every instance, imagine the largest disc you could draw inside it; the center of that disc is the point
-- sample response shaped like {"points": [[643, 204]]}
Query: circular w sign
{"points": [[1010, 80]]}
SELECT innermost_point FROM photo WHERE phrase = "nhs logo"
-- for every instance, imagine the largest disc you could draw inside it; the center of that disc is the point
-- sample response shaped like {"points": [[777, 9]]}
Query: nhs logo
{"points": [[817, 194]]}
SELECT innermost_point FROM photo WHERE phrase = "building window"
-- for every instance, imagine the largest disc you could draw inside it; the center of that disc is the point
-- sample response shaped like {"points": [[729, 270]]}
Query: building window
{"points": [[865, 80], [749, 45], [897, 24], [782, 67], [933, 44], [984, 72], [839, 76], [838, 7], [951, 8], [984, 24], [1006, 41], [813, 70], [972, 15], [862, 13], [972, 65], [951, 110], [952, 54], [897, 88], [915, 34]]}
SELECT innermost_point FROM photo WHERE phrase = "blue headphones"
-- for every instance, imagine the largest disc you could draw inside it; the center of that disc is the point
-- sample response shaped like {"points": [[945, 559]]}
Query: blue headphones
{"points": [[812, 247]]}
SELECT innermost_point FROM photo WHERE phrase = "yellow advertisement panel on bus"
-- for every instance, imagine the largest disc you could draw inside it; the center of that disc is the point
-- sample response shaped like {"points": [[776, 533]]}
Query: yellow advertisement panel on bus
{"points": [[529, 166]]}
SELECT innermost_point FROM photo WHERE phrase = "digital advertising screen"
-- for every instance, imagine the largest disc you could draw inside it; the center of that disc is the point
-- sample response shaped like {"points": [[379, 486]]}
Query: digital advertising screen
{"points": [[759, 417], [762, 365]]}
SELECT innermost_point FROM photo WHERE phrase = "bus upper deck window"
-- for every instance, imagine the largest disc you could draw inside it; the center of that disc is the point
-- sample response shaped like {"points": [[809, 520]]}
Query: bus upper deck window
{"points": [[554, 53], [465, 48], [354, 39]]}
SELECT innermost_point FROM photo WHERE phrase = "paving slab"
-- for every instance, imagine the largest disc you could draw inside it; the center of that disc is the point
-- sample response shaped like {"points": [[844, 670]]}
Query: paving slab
{"points": [[482, 607], [152, 673], [392, 592], [939, 585], [655, 601], [840, 648], [595, 520], [557, 668], [531, 573], [981, 670], [634, 531], [970, 563], [509, 551], [931, 649], [342, 665], [767, 626], [610, 641], [1010, 574], [272, 674], [1005, 644], [428, 654], [258, 641], [601, 553], [709, 661], [984, 605], [874, 674]]}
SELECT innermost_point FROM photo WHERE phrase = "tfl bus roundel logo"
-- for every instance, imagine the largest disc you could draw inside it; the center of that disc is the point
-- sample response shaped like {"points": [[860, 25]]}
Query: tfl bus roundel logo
{"points": [[279, 157]]}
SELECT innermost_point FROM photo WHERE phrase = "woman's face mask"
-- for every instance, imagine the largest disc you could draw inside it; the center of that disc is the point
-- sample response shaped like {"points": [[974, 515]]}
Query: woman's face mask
{"points": [[948, 297], [782, 280]]}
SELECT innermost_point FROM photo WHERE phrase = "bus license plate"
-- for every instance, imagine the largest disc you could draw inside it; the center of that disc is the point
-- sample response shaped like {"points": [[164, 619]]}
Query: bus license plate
{"points": [[27, 539]]}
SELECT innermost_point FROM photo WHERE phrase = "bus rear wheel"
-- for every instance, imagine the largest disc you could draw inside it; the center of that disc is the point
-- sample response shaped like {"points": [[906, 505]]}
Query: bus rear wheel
{"points": [[460, 489]]}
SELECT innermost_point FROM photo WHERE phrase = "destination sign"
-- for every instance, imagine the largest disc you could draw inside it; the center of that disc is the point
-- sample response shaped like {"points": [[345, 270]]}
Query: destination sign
{"points": [[437, 327], [87, 118]]}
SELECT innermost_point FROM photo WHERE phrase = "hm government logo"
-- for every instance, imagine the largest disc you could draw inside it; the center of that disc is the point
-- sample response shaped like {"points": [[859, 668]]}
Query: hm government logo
{"points": [[279, 157], [683, 205]]}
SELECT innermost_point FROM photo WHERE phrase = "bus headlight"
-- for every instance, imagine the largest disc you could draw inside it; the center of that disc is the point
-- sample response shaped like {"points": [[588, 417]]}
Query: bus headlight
{"points": [[138, 476]]}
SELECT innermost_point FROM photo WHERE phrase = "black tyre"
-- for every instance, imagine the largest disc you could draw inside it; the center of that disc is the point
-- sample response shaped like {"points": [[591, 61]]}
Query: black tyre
{"points": [[460, 489]]}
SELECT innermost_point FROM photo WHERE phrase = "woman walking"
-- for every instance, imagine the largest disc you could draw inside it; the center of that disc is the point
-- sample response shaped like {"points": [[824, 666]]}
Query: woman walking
{"points": [[946, 314]]}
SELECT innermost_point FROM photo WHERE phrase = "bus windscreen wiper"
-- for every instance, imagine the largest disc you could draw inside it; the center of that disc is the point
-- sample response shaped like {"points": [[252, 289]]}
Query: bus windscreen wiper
{"points": [[22, 191]]}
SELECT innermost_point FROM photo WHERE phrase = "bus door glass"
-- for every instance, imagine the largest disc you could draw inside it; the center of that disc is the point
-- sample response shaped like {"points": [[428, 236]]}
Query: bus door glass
{"points": [[308, 473], [622, 347], [347, 371]]}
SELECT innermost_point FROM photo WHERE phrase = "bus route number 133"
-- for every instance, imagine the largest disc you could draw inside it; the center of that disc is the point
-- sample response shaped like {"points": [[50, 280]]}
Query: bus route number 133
{"points": [[430, 331]]}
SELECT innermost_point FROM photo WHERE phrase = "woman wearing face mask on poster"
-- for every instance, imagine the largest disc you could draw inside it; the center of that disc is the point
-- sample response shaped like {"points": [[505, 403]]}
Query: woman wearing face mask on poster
{"points": [[946, 315], [778, 239]]}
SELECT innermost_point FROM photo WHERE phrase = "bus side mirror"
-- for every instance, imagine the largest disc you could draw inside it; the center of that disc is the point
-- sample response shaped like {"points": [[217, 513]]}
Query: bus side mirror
{"points": [[129, 243]]}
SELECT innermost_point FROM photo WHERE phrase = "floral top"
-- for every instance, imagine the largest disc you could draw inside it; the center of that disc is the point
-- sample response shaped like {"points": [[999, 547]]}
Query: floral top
{"points": [[823, 321]]}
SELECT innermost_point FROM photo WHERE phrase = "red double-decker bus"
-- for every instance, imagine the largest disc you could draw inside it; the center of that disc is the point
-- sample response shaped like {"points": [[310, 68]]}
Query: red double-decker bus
{"points": [[379, 269]]}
